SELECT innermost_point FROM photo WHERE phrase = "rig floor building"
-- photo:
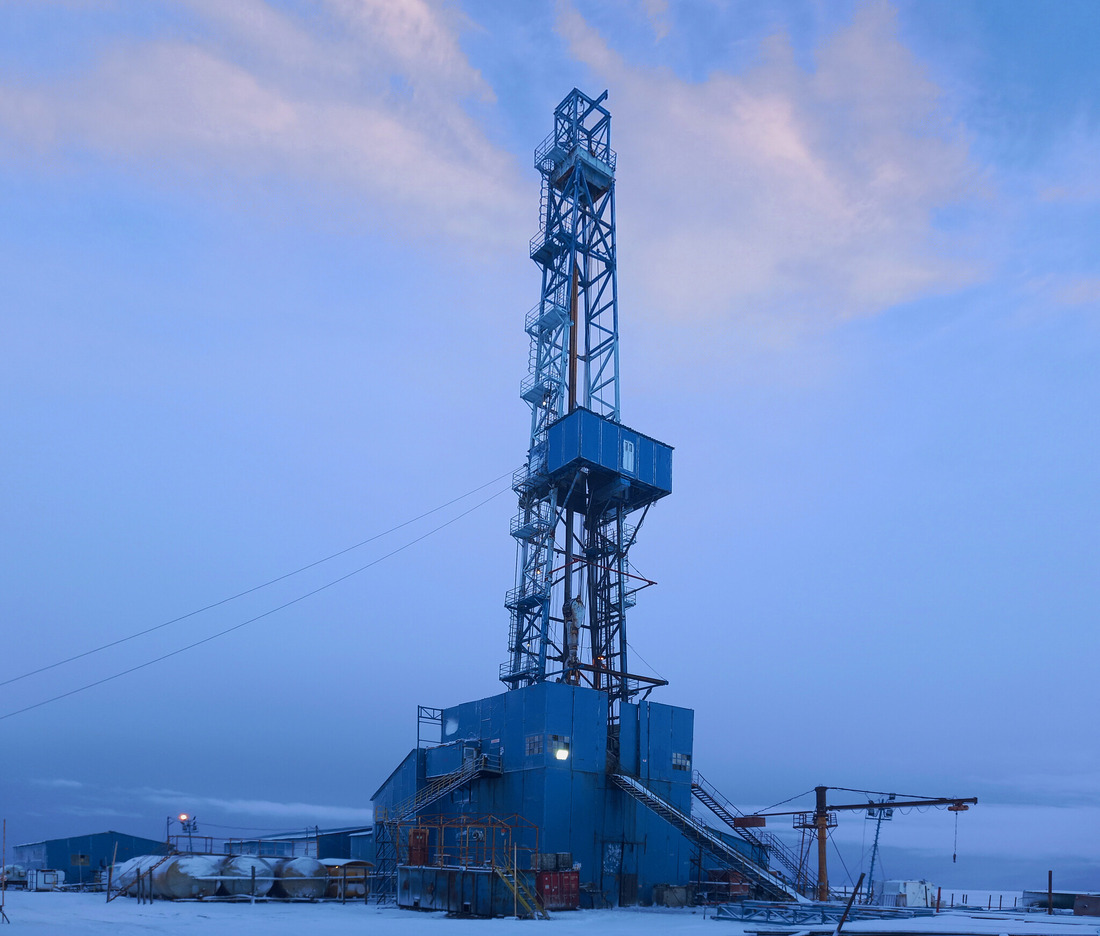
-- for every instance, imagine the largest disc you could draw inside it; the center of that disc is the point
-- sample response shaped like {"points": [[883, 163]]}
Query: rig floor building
{"points": [[532, 766], [571, 771]]}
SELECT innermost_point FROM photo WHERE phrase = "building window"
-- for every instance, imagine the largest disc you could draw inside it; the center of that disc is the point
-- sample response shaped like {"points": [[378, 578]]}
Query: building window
{"points": [[79, 860], [559, 746], [534, 744], [681, 762]]}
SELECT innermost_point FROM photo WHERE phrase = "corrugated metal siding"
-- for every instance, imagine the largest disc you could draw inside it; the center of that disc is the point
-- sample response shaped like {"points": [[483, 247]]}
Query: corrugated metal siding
{"points": [[96, 850], [361, 846], [582, 437], [623, 849]]}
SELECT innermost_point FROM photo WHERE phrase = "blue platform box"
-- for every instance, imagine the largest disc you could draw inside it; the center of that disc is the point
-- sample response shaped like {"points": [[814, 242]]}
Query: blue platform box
{"points": [[583, 439]]}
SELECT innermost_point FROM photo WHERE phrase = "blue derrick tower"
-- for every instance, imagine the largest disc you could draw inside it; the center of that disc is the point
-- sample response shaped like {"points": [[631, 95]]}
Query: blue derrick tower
{"points": [[571, 762], [585, 473]]}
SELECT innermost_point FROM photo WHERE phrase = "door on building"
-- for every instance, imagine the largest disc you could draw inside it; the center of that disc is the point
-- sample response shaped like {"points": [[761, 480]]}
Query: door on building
{"points": [[628, 876]]}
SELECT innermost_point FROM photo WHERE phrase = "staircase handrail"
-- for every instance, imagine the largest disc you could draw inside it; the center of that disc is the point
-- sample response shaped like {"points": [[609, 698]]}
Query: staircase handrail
{"points": [[438, 788], [767, 840], [708, 838]]}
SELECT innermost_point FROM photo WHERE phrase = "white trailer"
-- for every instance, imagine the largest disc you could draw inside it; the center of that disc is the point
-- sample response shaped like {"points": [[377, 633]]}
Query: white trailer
{"points": [[908, 894], [44, 879]]}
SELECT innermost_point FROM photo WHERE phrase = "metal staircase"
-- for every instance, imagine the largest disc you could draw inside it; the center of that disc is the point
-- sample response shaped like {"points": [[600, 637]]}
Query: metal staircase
{"points": [[792, 864], [524, 896], [699, 834], [388, 821]]}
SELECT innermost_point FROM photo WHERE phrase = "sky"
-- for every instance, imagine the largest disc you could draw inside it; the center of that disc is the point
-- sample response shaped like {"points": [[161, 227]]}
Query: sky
{"points": [[265, 270]]}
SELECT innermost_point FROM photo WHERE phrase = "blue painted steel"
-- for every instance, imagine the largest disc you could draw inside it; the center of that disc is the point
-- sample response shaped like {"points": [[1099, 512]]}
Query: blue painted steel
{"points": [[461, 891], [584, 472], [406, 779], [570, 799], [361, 846], [608, 451], [443, 759], [82, 857]]}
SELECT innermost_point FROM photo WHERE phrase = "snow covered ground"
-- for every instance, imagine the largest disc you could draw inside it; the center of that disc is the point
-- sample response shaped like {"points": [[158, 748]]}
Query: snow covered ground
{"points": [[80, 914]]}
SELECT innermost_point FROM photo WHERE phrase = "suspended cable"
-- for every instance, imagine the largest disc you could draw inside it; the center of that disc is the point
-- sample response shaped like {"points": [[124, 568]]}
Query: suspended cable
{"points": [[281, 830], [254, 588], [652, 668], [787, 800], [252, 620], [841, 857], [880, 793]]}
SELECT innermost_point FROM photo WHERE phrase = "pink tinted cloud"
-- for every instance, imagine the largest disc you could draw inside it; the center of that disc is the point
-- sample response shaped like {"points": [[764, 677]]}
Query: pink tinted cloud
{"points": [[790, 196], [254, 93]]}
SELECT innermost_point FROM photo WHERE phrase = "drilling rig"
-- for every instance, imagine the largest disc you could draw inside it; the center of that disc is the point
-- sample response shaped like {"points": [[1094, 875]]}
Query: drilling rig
{"points": [[586, 476], [597, 779]]}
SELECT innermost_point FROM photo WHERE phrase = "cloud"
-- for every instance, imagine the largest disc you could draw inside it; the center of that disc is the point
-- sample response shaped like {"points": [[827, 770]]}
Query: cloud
{"points": [[1067, 290], [59, 784], [1081, 787], [791, 196], [365, 100], [268, 809], [656, 12], [100, 812], [1079, 291]]}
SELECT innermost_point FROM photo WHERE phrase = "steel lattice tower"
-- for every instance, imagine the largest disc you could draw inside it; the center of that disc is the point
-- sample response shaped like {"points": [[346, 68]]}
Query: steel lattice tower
{"points": [[585, 472]]}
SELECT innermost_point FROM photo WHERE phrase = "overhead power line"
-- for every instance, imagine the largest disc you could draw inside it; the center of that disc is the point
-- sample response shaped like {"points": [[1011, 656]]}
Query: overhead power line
{"points": [[254, 588], [258, 617]]}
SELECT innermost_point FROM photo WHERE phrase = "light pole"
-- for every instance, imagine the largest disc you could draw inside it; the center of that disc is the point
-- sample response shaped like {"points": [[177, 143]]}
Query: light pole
{"points": [[188, 824]]}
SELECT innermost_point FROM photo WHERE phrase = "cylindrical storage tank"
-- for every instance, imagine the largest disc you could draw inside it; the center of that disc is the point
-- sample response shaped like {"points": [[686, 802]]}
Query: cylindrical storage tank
{"points": [[347, 879], [237, 876], [125, 874], [188, 876], [301, 878]]}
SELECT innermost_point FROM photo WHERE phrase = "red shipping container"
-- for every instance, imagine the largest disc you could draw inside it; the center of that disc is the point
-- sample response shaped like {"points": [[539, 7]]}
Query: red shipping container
{"points": [[559, 890]]}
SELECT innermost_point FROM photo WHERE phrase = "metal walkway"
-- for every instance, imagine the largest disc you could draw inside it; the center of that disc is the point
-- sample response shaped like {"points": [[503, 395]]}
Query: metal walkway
{"points": [[796, 914], [386, 822], [699, 834], [778, 853]]}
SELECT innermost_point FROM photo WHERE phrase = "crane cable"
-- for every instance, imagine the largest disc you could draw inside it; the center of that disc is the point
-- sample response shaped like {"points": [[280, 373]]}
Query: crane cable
{"points": [[252, 620], [843, 864], [784, 802], [254, 588]]}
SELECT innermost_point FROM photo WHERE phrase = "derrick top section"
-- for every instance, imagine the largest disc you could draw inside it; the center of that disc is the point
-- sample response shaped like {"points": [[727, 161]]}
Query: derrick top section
{"points": [[582, 132]]}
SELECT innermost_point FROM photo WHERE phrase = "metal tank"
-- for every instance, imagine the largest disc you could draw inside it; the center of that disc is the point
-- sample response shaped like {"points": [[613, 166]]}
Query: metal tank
{"points": [[237, 880], [301, 878], [188, 876], [125, 874]]}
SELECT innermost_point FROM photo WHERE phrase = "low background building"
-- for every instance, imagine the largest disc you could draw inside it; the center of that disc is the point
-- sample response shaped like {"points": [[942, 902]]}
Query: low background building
{"points": [[84, 856]]}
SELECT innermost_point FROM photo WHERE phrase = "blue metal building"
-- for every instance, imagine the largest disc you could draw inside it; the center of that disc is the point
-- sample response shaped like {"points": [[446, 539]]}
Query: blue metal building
{"points": [[313, 843], [573, 761], [541, 752], [83, 856]]}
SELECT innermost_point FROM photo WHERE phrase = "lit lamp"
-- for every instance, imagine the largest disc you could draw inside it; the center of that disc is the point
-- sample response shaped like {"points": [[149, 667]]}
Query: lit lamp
{"points": [[188, 824]]}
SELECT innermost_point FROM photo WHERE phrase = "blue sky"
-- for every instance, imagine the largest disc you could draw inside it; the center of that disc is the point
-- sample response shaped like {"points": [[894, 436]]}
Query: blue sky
{"points": [[265, 271]]}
